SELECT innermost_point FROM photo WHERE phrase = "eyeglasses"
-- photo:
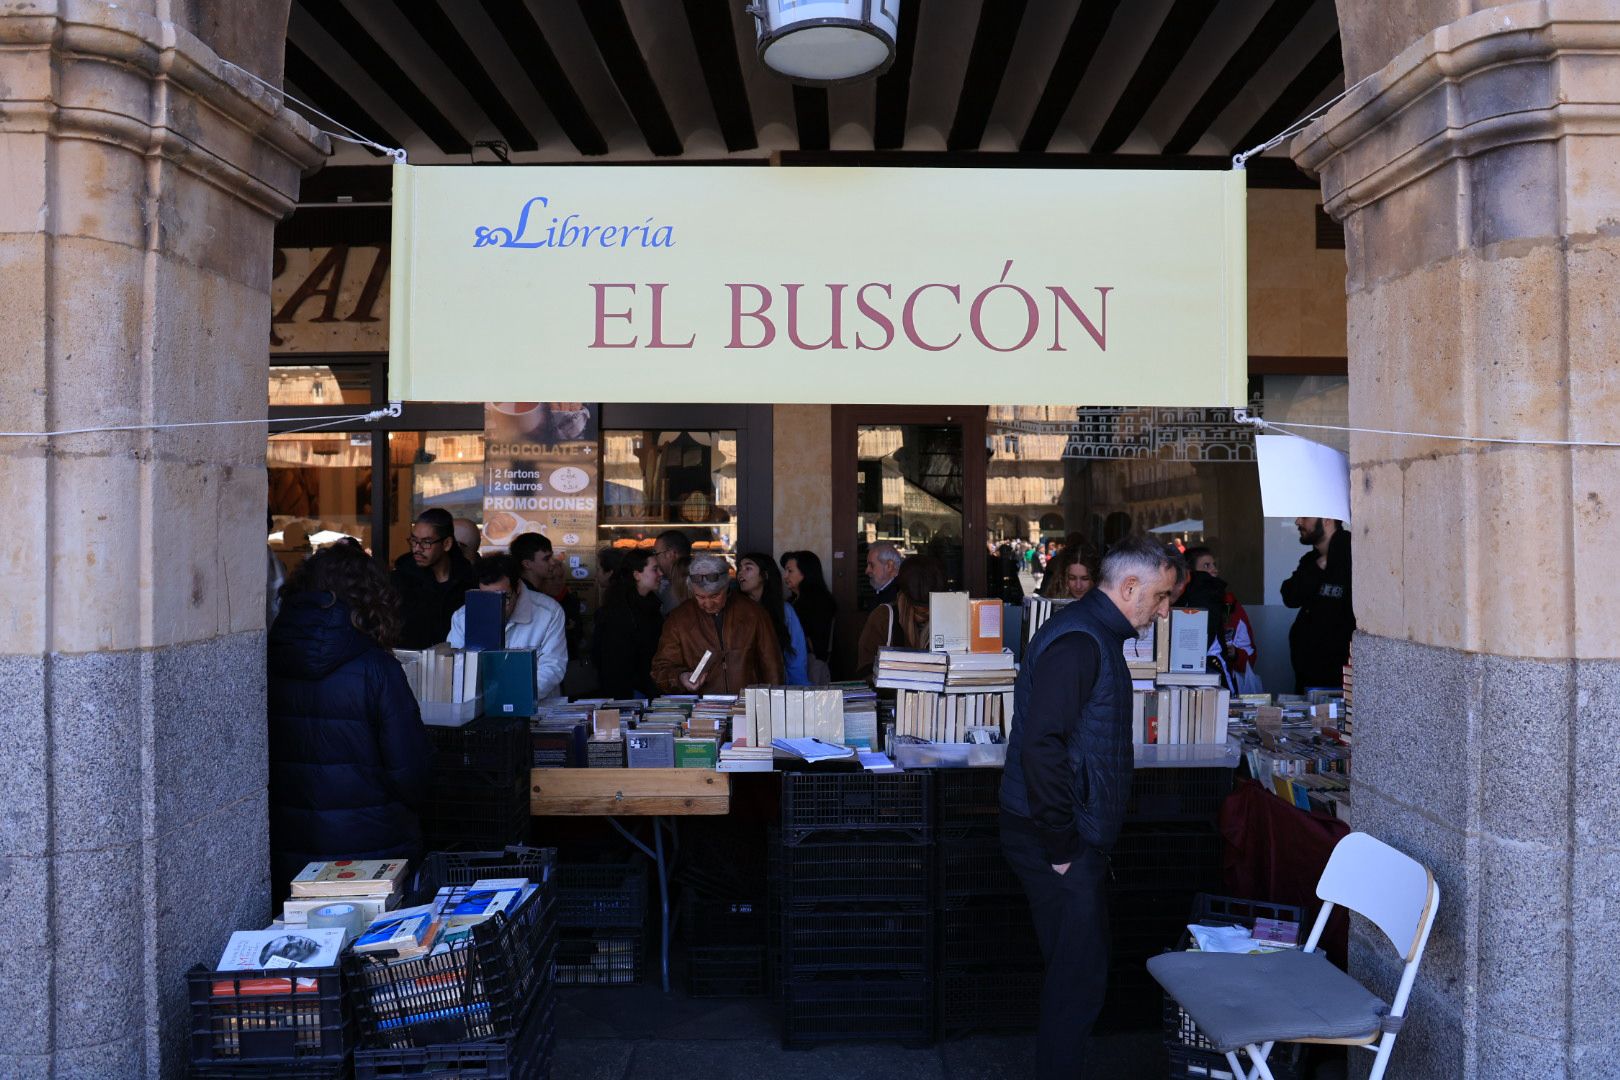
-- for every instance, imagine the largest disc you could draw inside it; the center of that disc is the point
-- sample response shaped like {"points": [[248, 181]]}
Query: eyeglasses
{"points": [[419, 544]]}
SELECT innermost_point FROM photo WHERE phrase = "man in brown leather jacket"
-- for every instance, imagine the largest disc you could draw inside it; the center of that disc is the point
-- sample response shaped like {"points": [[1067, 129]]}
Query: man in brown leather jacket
{"points": [[729, 626]]}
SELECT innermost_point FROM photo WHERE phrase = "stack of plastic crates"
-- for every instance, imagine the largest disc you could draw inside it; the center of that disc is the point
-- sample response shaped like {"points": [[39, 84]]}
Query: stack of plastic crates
{"points": [[602, 912], [722, 909], [270, 1025], [486, 1011], [1193, 1057], [989, 963], [1168, 852], [480, 793], [856, 869]]}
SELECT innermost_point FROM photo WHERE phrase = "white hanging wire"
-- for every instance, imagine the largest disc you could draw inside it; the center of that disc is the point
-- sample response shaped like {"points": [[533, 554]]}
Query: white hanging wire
{"points": [[1239, 160], [353, 136], [392, 409], [1284, 425]]}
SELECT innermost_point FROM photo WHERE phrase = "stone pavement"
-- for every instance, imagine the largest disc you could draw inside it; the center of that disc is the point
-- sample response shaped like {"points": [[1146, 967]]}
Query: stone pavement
{"points": [[636, 1033]]}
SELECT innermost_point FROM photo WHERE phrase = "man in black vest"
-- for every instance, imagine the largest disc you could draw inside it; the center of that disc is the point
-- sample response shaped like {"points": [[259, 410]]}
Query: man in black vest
{"points": [[1067, 778]]}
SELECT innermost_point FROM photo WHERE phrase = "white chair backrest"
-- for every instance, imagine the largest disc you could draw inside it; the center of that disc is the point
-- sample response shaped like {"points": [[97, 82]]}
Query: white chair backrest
{"points": [[1392, 890]]}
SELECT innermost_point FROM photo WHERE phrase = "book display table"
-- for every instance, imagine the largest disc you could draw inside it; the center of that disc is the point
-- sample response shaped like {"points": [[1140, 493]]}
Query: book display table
{"points": [[659, 794]]}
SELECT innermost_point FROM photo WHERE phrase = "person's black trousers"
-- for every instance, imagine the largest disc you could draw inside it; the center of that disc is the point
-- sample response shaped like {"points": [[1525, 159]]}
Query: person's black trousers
{"points": [[1071, 923]]}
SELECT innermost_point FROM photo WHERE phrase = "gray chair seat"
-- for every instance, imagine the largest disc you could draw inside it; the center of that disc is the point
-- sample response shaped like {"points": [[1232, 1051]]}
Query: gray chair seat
{"points": [[1239, 999]]}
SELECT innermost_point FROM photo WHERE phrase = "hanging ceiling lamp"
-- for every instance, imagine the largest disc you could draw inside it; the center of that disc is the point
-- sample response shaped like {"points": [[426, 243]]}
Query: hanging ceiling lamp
{"points": [[825, 42]]}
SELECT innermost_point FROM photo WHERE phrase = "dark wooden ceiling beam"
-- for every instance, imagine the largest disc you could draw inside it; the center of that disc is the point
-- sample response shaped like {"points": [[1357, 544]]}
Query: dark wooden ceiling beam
{"points": [[714, 40], [1262, 43], [1274, 172], [528, 44], [439, 32], [1169, 46], [1074, 58], [614, 40], [1325, 70], [374, 60], [331, 98], [894, 85], [987, 64], [810, 117]]}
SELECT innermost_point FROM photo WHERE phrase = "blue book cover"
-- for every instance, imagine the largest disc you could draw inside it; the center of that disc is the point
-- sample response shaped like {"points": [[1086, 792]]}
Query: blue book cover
{"points": [[485, 620]]}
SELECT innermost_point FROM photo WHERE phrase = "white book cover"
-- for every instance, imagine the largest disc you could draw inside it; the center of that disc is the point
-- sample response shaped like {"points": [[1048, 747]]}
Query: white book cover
{"points": [[252, 950]]}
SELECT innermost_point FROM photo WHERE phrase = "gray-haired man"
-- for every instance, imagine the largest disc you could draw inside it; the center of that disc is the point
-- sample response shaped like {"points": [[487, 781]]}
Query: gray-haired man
{"points": [[883, 561], [1067, 778]]}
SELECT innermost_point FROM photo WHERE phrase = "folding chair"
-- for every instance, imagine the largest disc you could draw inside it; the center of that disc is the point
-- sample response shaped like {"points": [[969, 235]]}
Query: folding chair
{"points": [[1251, 1001]]}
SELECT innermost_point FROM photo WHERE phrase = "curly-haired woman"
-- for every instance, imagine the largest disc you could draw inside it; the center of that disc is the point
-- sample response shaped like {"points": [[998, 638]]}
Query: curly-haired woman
{"points": [[350, 762]]}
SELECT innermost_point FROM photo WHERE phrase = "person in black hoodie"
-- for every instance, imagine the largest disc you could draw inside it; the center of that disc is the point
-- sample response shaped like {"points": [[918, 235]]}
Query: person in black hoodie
{"points": [[432, 580], [350, 762], [628, 625], [1319, 642]]}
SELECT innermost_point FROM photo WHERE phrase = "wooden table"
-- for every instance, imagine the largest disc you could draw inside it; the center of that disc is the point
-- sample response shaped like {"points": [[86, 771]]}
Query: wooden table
{"points": [[613, 793]]}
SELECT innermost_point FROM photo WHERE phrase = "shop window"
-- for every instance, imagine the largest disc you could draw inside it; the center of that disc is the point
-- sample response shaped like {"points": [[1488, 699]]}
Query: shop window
{"points": [[655, 480], [427, 469], [320, 491], [910, 490], [320, 384]]}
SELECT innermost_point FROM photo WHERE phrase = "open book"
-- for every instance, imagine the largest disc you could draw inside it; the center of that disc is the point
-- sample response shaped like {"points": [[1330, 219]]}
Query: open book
{"points": [[811, 749]]}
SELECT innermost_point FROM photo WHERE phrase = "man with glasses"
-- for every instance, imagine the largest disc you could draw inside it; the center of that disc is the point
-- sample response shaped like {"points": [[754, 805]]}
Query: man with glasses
{"points": [[432, 580]]}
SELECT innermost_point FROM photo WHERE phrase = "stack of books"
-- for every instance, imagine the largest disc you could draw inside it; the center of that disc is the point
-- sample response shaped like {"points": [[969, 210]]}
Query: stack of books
{"points": [[1175, 715], [980, 673], [711, 716], [735, 758], [910, 669], [860, 715], [445, 682], [1038, 609], [372, 885], [954, 717]]}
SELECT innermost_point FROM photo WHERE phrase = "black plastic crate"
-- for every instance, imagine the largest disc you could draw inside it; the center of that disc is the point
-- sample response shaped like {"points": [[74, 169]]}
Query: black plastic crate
{"points": [[708, 920], [989, 934], [1178, 794], [967, 800], [599, 957], [725, 971], [1187, 1063], [263, 1018], [997, 999], [1144, 923], [248, 1071], [898, 872], [1149, 855], [1211, 910], [602, 895], [478, 991], [857, 1010], [441, 868], [498, 744], [472, 817], [820, 942], [525, 1055], [844, 801], [974, 866]]}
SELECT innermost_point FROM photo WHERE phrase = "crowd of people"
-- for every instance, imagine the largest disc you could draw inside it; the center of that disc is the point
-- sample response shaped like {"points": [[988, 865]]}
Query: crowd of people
{"points": [[349, 759]]}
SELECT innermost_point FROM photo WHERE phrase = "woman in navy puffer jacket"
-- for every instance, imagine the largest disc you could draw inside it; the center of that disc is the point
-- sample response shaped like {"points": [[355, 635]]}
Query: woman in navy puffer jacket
{"points": [[350, 762]]}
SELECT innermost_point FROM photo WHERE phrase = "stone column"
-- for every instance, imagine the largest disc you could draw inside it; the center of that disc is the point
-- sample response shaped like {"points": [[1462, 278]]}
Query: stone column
{"points": [[1478, 176], [140, 179]]}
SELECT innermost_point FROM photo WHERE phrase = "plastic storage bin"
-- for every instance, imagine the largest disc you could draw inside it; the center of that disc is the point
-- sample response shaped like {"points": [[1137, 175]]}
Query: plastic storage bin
{"points": [[264, 1020]]}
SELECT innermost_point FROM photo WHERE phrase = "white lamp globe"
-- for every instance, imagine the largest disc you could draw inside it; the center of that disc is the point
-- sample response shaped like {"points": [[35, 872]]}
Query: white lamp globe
{"points": [[826, 42]]}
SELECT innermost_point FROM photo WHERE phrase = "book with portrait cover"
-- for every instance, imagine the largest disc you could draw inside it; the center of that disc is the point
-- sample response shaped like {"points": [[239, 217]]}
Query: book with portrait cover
{"points": [[256, 950]]}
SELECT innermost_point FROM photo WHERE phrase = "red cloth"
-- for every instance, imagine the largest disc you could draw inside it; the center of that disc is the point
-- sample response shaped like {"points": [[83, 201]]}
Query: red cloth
{"points": [[1276, 852]]}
